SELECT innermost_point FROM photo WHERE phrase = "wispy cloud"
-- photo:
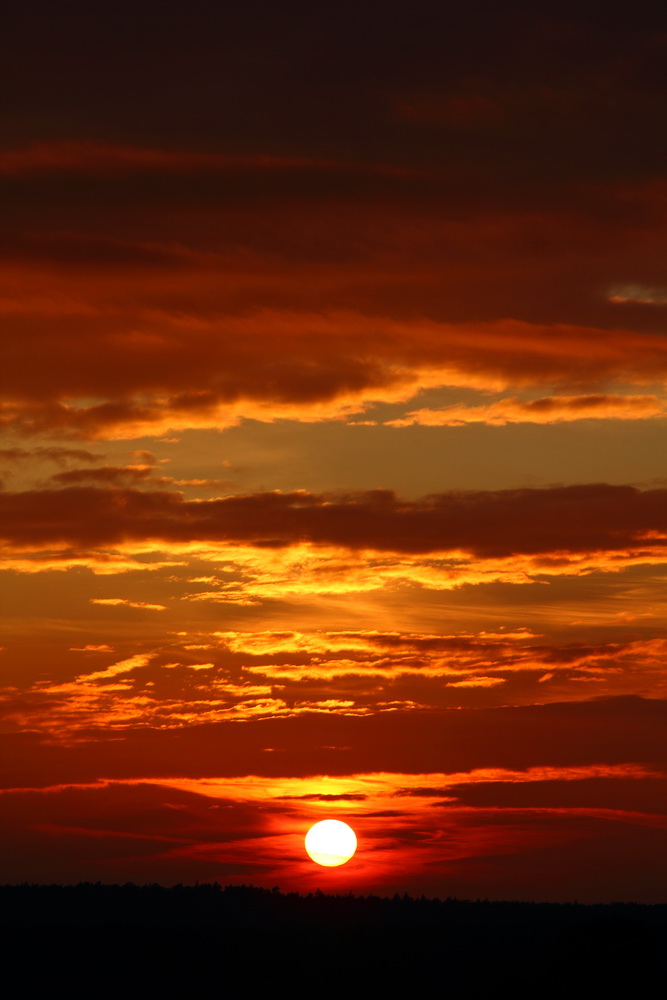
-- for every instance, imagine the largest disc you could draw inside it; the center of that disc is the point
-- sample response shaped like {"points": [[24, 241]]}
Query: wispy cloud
{"points": [[121, 601], [547, 410]]}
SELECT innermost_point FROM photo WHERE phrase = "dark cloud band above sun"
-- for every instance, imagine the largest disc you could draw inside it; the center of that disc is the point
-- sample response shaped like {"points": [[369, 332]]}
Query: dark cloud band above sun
{"points": [[611, 731]]}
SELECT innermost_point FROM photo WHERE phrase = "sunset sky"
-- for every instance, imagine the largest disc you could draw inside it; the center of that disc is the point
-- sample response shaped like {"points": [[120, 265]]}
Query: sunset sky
{"points": [[333, 422]]}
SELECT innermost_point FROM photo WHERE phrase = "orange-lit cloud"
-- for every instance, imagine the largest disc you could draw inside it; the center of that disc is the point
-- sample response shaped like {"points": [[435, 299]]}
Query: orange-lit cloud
{"points": [[549, 410], [277, 674], [214, 293], [178, 373], [102, 563], [92, 648], [117, 601]]}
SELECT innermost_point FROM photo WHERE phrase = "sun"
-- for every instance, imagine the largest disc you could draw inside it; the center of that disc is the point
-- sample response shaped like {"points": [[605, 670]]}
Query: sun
{"points": [[331, 842]]}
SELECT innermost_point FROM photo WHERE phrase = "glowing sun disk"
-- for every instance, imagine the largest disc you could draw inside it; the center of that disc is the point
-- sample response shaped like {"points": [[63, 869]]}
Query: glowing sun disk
{"points": [[331, 842]]}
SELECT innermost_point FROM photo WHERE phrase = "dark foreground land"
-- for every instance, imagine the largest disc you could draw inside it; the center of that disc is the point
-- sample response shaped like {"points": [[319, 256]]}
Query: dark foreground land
{"points": [[205, 940]]}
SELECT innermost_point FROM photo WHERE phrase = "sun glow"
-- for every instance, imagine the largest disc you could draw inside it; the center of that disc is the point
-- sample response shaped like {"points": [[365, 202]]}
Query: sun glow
{"points": [[331, 842]]}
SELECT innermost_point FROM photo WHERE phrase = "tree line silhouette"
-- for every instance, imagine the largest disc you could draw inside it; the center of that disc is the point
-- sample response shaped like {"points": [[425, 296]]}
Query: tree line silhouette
{"points": [[235, 938]]}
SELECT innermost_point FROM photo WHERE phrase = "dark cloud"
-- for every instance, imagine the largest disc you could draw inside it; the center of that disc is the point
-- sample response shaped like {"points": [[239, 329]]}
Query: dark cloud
{"points": [[424, 791], [163, 371], [491, 524], [74, 834], [107, 474], [636, 794], [54, 453], [299, 77], [611, 731], [194, 217], [217, 286]]}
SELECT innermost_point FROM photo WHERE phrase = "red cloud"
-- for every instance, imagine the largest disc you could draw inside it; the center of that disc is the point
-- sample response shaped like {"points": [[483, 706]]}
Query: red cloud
{"points": [[95, 158], [268, 287], [181, 372], [487, 524], [610, 731]]}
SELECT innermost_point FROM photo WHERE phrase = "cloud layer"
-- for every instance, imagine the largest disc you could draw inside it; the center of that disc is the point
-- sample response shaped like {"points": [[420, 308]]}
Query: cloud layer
{"points": [[575, 519], [214, 293]]}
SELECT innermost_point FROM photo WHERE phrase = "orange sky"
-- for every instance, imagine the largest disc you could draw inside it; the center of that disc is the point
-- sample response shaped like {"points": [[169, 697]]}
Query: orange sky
{"points": [[332, 437]]}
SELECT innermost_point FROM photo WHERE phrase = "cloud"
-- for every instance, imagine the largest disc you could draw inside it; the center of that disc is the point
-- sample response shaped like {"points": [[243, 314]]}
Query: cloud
{"points": [[60, 455], [456, 110], [360, 673], [481, 682], [107, 474], [92, 648], [221, 287], [121, 475], [94, 158], [101, 563], [548, 410], [122, 667], [177, 372], [118, 601], [638, 293], [493, 524], [641, 793], [317, 322], [607, 731], [324, 797]]}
